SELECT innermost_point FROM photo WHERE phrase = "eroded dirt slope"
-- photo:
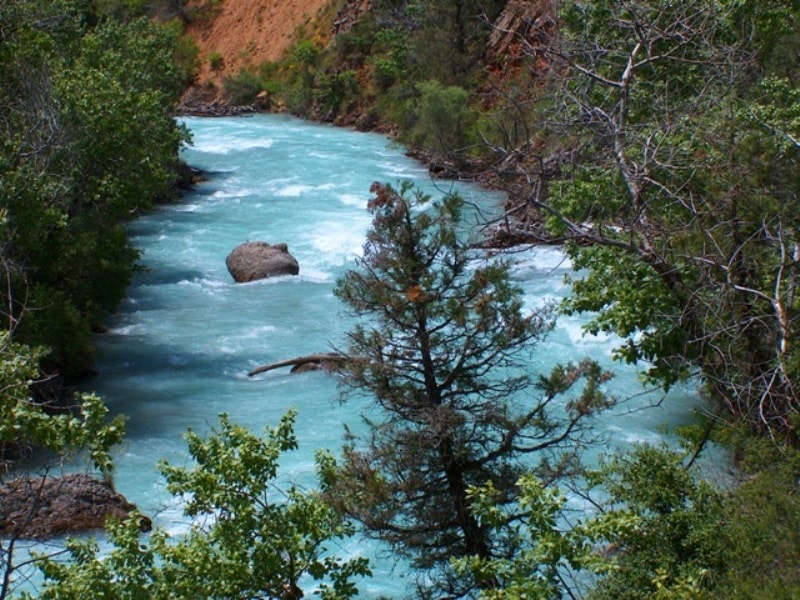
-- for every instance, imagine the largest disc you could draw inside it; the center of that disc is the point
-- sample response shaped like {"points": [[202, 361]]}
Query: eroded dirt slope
{"points": [[251, 32]]}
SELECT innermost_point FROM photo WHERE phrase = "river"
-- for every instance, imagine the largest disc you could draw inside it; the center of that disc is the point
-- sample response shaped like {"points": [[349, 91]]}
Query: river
{"points": [[177, 353]]}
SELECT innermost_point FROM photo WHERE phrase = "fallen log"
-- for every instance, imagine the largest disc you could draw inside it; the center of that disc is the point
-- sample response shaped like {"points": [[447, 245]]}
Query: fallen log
{"points": [[319, 360]]}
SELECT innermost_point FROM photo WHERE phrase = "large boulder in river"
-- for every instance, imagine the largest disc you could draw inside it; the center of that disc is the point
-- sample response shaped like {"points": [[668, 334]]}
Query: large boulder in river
{"points": [[258, 260], [37, 507]]}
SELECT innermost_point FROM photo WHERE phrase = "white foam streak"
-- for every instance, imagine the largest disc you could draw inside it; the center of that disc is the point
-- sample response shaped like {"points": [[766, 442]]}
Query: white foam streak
{"points": [[359, 201], [231, 144], [136, 329], [294, 191]]}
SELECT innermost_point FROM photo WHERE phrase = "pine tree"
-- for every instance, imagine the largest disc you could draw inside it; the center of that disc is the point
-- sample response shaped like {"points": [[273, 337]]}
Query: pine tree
{"points": [[439, 347]]}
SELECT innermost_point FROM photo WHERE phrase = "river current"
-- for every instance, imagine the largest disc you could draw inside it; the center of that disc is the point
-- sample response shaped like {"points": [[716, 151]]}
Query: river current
{"points": [[177, 353]]}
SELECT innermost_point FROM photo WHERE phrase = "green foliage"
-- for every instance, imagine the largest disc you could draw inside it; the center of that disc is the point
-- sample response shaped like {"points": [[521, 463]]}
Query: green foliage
{"points": [[392, 47], [635, 304], [248, 538], [121, 10], [762, 525], [544, 547], [63, 431], [25, 423], [123, 573], [355, 43], [690, 540], [660, 532], [301, 70], [335, 90], [590, 195], [297, 82], [390, 62], [438, 346], [89, 141], [186, 54], [216, 61], [243, 87], [448, 38], [387, 71], [64, 330], [772, 30], [443, 120], [679, 192], [779, 111], [169, 10], [672, 540], [305, 53], [204, 10]]}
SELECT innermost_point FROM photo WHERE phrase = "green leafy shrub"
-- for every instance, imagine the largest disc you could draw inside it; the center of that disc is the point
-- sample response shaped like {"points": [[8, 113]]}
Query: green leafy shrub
{"points": [[387, 70], [204, 11], [443, 119], [243, 87], [391, 61], [665, 524], [305, 53], [335, 89], [216, 61], [99, 148], [121, 9], [763, 524], [187, 53], [353, 43], [246, 540]]}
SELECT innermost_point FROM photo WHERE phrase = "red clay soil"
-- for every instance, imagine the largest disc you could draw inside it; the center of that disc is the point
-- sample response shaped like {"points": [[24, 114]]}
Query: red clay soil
{"points": [[250, 32]]}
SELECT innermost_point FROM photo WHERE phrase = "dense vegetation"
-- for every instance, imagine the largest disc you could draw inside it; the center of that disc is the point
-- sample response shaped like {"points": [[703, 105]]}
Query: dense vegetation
{"points": [[404, 66], [88, 142], [659, 141], [248, 540], [698, 225]]}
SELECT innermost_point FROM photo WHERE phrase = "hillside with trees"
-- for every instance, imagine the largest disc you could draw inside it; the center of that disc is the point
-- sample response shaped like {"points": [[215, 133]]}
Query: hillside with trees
{"points": [[658, 142]]}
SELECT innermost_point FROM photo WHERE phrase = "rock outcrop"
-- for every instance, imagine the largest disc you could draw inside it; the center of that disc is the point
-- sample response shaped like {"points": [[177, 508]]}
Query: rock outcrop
{"points": [[258, 260], [522, 27], [44, 507]]}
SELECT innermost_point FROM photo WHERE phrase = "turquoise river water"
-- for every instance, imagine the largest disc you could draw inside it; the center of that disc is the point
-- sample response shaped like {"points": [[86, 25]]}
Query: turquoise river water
{"points": [[177, 353]]}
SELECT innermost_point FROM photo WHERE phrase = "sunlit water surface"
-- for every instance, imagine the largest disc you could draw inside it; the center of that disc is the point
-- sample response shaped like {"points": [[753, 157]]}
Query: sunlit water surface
{"points": [[177, 353]]}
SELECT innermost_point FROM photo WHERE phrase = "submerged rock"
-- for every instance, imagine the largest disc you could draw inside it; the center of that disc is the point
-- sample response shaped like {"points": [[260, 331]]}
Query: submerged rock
{"points": [[258, 260], [44, 507]]}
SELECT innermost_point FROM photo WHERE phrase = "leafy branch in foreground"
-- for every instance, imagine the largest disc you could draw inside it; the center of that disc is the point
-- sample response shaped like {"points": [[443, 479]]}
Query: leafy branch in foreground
{"points": [[248, 539], [659, 531], [27, 424]]}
